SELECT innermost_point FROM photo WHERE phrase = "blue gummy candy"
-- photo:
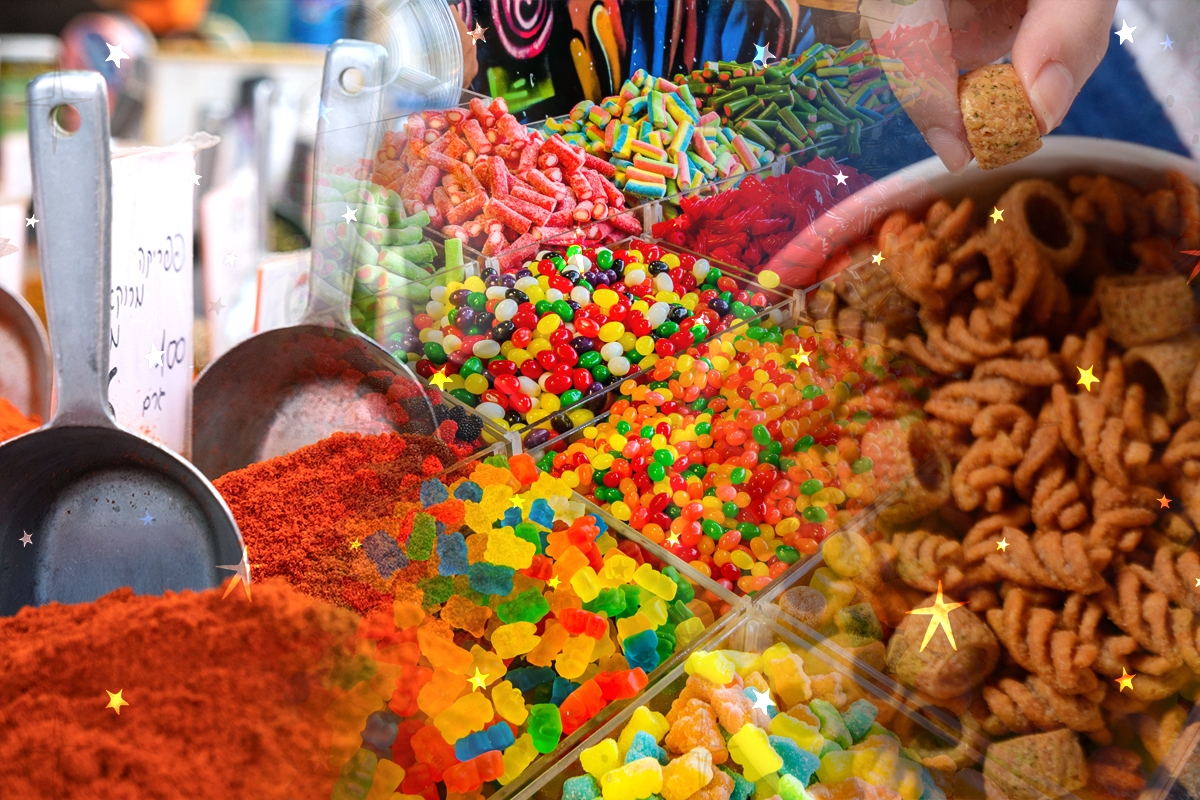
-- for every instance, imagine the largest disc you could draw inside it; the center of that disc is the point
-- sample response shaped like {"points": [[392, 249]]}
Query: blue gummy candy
{"points": [[512, 518], [452, 554], [385, 553], [798, 763], [381, 729], [582, 788], [433, 492], [644, 746], [541, 513], [469, 490], [641, 650], [488, 578], [602, 525], [497, 737], [562, 688], [526, 678], [742, 788], [859, 717], [440, 527]]}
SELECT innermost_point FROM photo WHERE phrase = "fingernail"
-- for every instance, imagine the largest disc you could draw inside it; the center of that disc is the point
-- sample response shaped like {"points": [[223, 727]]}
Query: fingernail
{"points": [[949, 148], [1051, 95]]}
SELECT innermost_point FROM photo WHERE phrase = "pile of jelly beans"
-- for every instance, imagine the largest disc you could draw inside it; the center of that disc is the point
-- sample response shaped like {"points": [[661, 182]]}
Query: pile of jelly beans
{"points": [[516, 618], [556, 333], [742, 455]]}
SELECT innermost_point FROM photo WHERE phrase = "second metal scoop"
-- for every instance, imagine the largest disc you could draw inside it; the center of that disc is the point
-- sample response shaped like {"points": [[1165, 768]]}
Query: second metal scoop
{"points": [[290, 387], [24, 357], [86, 507]]}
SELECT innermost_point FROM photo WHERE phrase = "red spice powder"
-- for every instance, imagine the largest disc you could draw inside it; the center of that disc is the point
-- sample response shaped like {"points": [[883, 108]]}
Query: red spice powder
{"points": [[226, 697], [299, 513], [13, 422]]}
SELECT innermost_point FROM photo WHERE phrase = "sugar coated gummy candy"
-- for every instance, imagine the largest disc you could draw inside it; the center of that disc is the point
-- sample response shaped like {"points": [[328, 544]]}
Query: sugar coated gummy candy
{"points": [[751, 748], [859, 717], [686, 775], [491, 579], [644, 746], [583, 787], [423, 537], [468, 491], [643, 719], [452, 554], [797, 762], [636, 780], [433, 492], [832, 726]]}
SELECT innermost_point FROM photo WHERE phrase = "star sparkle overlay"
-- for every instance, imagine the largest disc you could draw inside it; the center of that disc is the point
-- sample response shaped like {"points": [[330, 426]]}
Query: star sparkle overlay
{"points": [[939, 614], [116, 54], [241, 574], [115, 700], [517, 502], [1125, 681], [478, 680], [802, 358], [1126, 33], [26, 540], [1002, 545], [1164, 501], [477, 34], [1195, 269], [355, 544], [31, 222], [155, 357], [762, 701], [215, 306], [231, 258], [841, 178], [553, 582], [439, 379], [147, 520], [1167, 44], [351, 215], [323, 110], [762, 54], [673, 538], [196, 179], [997, 215], [877, 258], [1086, 378]]}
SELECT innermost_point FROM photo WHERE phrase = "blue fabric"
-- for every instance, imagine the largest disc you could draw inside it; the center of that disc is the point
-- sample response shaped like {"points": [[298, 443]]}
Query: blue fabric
{"points": [[1115, 103]]}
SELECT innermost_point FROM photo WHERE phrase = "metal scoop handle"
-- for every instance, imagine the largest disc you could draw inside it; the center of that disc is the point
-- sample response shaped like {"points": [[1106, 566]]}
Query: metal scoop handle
{"points": [[347, 132], [72, 195]]}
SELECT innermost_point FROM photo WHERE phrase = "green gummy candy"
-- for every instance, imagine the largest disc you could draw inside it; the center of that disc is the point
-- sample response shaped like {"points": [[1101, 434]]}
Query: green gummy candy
{"points": [[348, 672], [742, 788], [422, 253], [529, 532], [832, 726], [878, 730], [860, 624], [528, 606], [400, 236], [454, 252], [423, 537], [357, 776], [677, 612], [633, 601], [790, 788], [830, 746], [397, 264], [686, 593], [610, 601], [462, 586], [496, 460], [437, 590], [859, 718]]}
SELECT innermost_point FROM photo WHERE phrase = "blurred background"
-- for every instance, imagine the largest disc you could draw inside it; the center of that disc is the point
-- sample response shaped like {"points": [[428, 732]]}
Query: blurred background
{"points": [[249, 71]]}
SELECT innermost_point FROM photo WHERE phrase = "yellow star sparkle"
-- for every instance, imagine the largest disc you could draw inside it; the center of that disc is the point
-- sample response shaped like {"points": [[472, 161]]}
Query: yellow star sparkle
{"points": [[1002, 545], [939, 613], [477, 34], [802, 357], [354, 545], [673, 538], [479, 680], [877, 258], [1164, 501], [1086, 378], [241, 574], [439, 379], [1125, 681], [115, 700], [553, 582], [517, 502], [997, 215], [1198, 583]]}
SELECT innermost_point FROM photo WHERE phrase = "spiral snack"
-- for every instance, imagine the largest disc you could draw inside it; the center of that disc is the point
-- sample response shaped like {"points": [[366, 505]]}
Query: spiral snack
{"points": [[1001, 127], [1069, 535]]}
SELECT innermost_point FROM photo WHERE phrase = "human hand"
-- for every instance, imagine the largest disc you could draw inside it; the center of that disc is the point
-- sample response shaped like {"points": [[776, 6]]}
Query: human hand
{"points": [[1055, 45], [470, 61]]}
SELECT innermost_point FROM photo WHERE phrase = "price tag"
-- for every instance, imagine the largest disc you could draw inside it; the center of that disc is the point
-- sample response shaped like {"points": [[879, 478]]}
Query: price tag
{"points": [[150, 306], [12, 228], [282, 290]]}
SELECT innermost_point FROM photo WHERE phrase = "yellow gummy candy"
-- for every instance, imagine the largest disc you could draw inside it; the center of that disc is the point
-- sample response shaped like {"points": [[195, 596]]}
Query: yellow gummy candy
{"points": [[469, 713], [775, 652], [605, 647], [443, 653], [634, 781], [553, 639], [686, 631], [575, 656], [618, 570], [654, 581], [388, 776], [517, 757], [655, 610], [598, 760], [750, 748], [711, 666], [744, 663], [643, 719], [407, 614], [515, 639], [789, 681], [509, 703], [585, 584], [629, 626], [509, 550], [806, 737], [489, 665]]}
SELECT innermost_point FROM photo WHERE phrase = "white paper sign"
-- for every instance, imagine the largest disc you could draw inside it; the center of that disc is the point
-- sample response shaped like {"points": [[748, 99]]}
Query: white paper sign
{"points": [[229, 247], [12, 228], [151, 313], [282, 290]]}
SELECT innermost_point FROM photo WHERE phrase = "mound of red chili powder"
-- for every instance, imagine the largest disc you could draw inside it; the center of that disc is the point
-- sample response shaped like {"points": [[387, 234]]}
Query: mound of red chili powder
{"points": [[226, 698], [299, 514], [13, 422]]}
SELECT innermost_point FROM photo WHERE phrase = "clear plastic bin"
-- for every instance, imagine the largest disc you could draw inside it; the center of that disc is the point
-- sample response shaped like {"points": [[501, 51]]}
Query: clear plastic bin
{"points": [[755, 631]]}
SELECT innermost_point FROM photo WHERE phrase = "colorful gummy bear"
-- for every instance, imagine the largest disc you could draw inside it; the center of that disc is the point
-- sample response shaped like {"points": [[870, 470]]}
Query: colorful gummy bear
{"points": [[600, 758], [528, 606], [545, 726], [634, 781], [467, 714], [509, 703], [470, 775], [714, 667], [517, 758], [687, 775], [751, 748], [496, 737], [452, 554], [515, 639], [423, 537], [644, 746]]}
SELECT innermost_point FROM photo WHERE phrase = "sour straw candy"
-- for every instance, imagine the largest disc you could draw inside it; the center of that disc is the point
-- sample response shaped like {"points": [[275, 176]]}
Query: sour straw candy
{"points": [[522, 345], [516, 619], [819, 100], [748, 225], [493, 183], [656, 142], [741, 461], [757, 724]]}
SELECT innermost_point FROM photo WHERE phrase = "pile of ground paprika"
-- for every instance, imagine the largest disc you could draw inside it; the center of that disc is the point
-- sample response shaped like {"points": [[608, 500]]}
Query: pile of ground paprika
{"points": [[13, 422], [301, 514], [227, 697]]}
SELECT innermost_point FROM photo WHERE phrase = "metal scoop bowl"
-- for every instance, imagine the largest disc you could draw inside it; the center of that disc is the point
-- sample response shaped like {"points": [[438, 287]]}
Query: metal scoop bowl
{"points": [[287, 388], [85, 507]]}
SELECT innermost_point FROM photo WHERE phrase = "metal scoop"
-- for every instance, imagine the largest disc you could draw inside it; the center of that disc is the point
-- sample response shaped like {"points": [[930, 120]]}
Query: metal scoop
{"points": [[24, 357], [290, 387], [86, 507]]}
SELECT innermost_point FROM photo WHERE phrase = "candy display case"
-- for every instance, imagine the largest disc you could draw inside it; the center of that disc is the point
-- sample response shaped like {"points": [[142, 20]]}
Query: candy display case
{"points": [[717, 724], [513, 596]]}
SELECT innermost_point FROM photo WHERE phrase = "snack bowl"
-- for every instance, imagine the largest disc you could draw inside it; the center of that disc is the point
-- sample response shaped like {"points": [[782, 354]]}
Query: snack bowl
{"points": [[1058, 559]]}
